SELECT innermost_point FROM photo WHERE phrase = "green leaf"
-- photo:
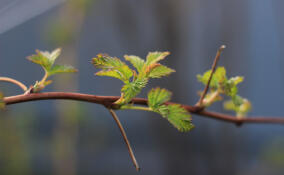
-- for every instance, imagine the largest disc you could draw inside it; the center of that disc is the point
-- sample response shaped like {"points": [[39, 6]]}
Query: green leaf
{"points": [[112, 67], [218, 78], [157, 97], [238, 104], [230, 86], [40, 59], [104, 61], [53, 55], [154, 57], [61, 69], [130, 90], [160, 71], [2, 103], [236, 80], [177, 116], [45, 58], [136, 61]]}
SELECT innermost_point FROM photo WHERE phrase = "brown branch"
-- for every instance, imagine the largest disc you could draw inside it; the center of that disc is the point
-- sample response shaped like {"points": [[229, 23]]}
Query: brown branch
{"points": [[123, 133], [13, 81], [108, 101], [213, 68]]}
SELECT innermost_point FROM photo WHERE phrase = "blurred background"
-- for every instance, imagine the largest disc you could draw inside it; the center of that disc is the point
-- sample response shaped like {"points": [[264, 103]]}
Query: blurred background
{"points": [[76, 138]]}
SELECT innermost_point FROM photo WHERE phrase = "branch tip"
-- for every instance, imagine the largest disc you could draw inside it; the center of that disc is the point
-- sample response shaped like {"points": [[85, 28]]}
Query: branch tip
{"points": [[222, 48]]}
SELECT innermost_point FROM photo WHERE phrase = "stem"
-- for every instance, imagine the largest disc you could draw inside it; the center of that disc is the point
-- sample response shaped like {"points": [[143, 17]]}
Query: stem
{"points": [[217, 57], [141, 108], [44, 77], [108, 101], [123, 133], [16, 82]]}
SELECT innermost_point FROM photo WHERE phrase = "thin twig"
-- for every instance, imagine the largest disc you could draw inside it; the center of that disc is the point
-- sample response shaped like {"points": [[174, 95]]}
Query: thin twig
{"points": [[213, 68], [16, 82], [108, 101], [123, 133]]}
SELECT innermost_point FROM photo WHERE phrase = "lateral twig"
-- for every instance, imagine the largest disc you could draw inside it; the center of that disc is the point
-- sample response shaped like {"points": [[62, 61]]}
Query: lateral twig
{"points": [[213, 68], [16, 82], [123, 133]]}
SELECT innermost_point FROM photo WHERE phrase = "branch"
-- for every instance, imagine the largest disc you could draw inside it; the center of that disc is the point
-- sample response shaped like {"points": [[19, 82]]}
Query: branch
{"points": [[108, 101], [217, 57], [116, 119], [13, 81]]}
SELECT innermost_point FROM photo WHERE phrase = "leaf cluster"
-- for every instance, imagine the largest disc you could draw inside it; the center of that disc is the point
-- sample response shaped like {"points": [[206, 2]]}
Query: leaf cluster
{"points": [[134, 80], [220, 84], [46, 61]]}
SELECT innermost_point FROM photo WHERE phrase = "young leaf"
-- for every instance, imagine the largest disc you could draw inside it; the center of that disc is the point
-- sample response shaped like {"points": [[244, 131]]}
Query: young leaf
{"points": [[46, 60], [112, 67], [218, 78], [177, 116], [240, 105], [130, 90], [136, 61], [160, 71], [154, 57], [41, 59], [174, 113], [157, 97], [104, 61], [230, 86], [53, 55], [61, 69]]}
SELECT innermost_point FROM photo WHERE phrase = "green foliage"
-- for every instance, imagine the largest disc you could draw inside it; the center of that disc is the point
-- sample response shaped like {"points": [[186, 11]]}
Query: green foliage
{"points": [[132, 89], [238, 104], [218, 78], [46, 60], [160, 71], [220, 84], [136, 61], [2, 103], [174, 113], [157, 97], [114, 67]]}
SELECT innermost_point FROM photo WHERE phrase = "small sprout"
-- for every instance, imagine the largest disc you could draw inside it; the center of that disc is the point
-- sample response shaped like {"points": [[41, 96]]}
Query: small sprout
{"points": [[241, 106], [46, 60], [220, 84], [135, 80]]}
